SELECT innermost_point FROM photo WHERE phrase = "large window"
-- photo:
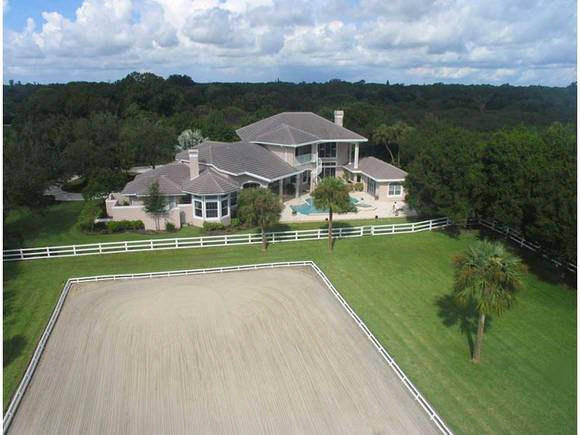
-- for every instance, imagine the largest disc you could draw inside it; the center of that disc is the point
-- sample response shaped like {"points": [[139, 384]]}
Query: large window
{"points": [[371, 187], [327, 150], [198, 208], [211, 209], [395, 189], [328, 169], [225, 211], [233, 199], [303, 154]]}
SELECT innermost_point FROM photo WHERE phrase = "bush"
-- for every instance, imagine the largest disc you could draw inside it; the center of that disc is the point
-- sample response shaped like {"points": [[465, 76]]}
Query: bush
{"points": [[358, 187], [210, 227], [170, 227], [122, 226], [87, 216]]}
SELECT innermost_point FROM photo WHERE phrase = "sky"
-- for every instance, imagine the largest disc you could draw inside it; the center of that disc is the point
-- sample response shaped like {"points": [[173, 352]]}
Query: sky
{"points": [[521, 42]]}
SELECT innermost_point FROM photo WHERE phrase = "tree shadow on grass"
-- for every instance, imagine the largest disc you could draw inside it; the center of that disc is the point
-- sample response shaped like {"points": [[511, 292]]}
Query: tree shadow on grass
{"points": [[452, 313], [542, 268], [452, 231], [12, 348]]}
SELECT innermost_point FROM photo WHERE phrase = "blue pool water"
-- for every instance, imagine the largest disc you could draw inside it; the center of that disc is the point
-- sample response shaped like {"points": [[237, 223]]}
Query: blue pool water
{"points": [[308, 206]]}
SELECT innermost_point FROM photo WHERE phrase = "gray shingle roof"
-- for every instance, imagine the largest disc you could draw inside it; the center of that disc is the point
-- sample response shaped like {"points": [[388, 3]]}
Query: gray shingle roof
{"points": [[182, 155], [240, 158], [210, 183], [377, 169], [305, 127], [170, 178]]}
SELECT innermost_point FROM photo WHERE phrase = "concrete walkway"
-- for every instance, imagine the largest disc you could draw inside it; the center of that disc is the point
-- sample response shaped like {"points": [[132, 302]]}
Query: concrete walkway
{"points": [[61, 195]]}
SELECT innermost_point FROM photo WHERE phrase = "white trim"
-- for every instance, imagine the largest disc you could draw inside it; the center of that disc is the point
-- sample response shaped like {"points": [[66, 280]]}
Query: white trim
{"points": [[249, 174], [407, 383], [311, 143]]}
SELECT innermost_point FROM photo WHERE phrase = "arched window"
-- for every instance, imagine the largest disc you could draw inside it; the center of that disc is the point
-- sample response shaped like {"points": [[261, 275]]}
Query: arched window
{"points": [[250, 185]]}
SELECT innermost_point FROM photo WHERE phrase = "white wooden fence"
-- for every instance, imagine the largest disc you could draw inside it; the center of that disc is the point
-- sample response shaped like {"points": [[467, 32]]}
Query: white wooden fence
{"points": [[222, 240], [522, 242], [16, 399], [272, 237]]}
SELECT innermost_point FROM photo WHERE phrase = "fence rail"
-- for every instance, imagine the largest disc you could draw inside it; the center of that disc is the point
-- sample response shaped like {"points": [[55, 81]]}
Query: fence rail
{"points": [[519, 240], [222, 240], [272, 237], [16, 399]]}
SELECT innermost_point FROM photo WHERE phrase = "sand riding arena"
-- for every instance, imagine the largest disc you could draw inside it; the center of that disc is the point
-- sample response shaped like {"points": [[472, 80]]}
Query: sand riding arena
{"points": [[270, 350]]}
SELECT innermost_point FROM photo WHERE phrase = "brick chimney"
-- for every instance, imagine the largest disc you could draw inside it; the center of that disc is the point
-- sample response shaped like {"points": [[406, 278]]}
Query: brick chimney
{"points": [[193, 163], [338, 117]]}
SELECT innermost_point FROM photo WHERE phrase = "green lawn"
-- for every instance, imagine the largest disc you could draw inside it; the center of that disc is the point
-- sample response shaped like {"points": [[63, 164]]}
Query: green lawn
{"points": [[56, 225], [526, 382]]}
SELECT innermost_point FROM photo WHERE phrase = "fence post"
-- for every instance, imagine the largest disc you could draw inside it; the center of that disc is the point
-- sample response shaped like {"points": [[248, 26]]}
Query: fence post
{"points": [[431, 225], [226, 239], [372, 230], [413, 227], [177, 243], [362, 229], [74, 250], [319, 233], [21, 254], [48, 252], [151, 244], [100, 248]]}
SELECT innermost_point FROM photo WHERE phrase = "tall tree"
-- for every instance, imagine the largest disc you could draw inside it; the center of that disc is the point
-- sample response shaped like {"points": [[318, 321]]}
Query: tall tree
{"points": [[446, 179], [332, 194], [154, 203], [392, 136], [487, 277], [190, 138], [260, 207], [147, 141]]}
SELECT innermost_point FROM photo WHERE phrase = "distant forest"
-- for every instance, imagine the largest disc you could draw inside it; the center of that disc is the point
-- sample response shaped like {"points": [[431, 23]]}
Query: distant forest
{"points": [[468, 138]]}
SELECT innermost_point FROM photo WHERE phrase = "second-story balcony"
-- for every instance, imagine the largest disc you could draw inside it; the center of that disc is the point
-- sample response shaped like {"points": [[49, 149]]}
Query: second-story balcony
{"points": [[303, 159]]}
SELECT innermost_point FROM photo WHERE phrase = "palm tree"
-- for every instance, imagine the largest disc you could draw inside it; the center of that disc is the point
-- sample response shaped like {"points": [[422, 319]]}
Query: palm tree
{"points": [[332, 194], [489, 277], [260, 207], [389, 135]]}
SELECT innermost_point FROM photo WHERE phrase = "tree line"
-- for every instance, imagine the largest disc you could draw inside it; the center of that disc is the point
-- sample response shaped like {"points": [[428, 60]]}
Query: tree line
{"points": [[505, 152]]}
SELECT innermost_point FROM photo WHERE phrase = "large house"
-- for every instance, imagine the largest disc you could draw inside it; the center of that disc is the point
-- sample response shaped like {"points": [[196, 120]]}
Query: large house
{"points": [[288, 153]]}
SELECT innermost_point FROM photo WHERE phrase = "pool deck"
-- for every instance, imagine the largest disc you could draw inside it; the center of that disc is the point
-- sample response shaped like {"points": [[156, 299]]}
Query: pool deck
{"points": [[380, 209]]}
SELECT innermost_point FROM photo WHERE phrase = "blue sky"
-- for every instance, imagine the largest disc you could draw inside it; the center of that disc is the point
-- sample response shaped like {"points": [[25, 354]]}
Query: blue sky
{"points": [[404, 41]]}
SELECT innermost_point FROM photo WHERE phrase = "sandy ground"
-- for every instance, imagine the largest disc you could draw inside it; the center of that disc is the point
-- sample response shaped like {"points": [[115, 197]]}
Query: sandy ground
{"points": [[267, 351]]}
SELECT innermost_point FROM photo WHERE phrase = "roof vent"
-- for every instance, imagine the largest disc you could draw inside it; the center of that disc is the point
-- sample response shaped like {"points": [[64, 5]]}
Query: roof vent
{"points": [[338, 117]]}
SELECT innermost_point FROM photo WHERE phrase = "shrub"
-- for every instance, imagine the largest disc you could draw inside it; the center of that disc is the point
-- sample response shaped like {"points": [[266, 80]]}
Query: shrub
{"points": [[358, 187], [122, 226], [209, 227], [170, 227], [87, 216]]}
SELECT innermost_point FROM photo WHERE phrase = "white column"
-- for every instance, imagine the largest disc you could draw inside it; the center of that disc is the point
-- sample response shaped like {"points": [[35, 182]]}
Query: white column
{"points": [[356, 155], [280, 187], [298, 181]]}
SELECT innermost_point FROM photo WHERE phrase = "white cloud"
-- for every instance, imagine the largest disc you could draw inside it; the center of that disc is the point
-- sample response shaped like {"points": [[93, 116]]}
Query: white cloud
{"points": [[520, 41]]}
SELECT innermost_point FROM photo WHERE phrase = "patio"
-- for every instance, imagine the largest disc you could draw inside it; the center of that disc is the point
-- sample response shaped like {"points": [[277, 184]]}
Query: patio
{"points": [[378, 209]]}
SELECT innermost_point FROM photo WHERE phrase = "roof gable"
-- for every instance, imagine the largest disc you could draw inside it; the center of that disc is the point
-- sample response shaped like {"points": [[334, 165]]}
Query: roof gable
{"points": [[238, 158], [302, 124], [377, 169]]}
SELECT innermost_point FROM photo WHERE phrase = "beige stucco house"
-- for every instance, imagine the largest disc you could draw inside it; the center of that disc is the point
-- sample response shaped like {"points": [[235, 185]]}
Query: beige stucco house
{"points": [[288, 153]]}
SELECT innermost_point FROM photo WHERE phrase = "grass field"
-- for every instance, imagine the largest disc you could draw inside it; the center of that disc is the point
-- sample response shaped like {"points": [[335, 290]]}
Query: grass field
{"points": [[56, 225], [526, 382]]}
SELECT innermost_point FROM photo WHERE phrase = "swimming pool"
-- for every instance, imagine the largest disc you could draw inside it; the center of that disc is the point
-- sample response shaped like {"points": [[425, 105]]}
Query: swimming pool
{"points": [[308, 207]]}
